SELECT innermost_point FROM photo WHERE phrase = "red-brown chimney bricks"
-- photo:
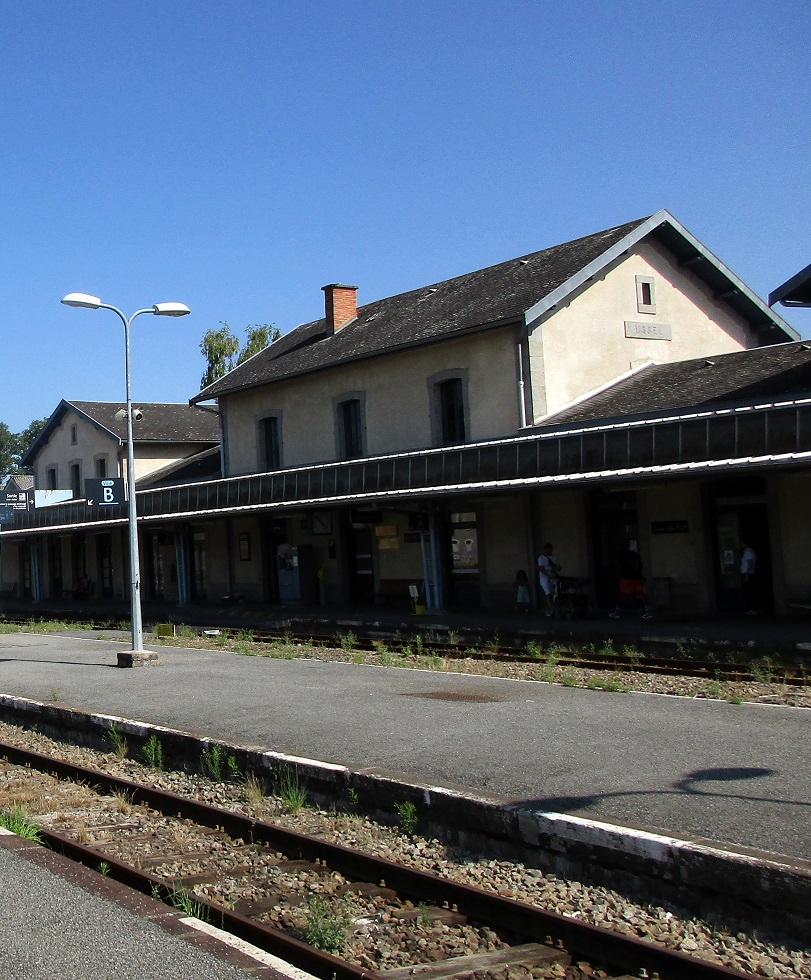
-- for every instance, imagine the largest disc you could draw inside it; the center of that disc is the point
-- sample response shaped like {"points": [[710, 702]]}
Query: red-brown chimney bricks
{"points": [[340, 305]]}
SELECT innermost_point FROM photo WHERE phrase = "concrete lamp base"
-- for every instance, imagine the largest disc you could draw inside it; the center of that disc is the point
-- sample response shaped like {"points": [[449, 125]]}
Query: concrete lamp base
{"points": [[137, 658]]}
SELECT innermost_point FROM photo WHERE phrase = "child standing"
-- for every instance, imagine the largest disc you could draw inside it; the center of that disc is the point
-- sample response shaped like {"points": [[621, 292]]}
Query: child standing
{"points": [[522, 600]]}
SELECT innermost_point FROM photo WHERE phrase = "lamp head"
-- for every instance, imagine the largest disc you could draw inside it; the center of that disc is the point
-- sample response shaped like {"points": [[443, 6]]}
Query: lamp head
{"points": [[82, 299], [169, 309]]}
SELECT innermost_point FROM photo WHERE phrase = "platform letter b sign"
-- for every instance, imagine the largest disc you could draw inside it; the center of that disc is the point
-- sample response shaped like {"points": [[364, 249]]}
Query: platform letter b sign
{"points": [[105, 493]]}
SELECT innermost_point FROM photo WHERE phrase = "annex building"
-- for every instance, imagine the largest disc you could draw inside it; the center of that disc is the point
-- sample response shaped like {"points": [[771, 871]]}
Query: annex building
{"points": [[624, 386]]}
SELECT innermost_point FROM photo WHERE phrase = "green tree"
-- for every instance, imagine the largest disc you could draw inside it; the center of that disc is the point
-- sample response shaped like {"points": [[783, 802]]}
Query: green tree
{"points": [[219, 348], [258, 337], [222, 350], [8, 444], [14, 445], [25, 440]]}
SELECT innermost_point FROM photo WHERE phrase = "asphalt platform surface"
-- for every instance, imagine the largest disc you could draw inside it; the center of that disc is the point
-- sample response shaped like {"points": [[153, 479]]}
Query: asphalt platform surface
{"points": [[58, 919], [736, 774]]}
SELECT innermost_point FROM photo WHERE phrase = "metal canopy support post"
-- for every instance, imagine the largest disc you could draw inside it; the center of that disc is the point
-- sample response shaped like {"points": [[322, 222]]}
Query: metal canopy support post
{"points": [[439, 598], [426, 575], [36, 571], [181, 556]]}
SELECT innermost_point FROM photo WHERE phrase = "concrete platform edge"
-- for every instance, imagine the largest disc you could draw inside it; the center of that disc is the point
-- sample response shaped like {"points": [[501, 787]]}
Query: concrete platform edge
{"points": [[703, 875], [252, 961]]}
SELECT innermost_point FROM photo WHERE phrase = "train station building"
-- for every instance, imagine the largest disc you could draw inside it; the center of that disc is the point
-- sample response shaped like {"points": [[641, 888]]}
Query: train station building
{"points": [[622, 387]]}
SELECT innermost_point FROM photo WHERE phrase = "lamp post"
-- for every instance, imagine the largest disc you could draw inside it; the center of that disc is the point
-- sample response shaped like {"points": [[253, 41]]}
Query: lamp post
{"points": [[137, 655]]}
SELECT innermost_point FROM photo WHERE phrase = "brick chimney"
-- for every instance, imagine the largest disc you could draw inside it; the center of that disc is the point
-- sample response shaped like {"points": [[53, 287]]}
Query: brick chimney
{"points": [[340, 305]]}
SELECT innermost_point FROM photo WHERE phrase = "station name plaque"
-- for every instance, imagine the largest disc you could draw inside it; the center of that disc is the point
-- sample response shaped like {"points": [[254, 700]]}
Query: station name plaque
{"points": [[648, 331]]}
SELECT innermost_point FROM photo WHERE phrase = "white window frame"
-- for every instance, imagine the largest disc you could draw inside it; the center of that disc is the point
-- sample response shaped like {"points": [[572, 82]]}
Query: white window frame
{"points": [[642, 304]]}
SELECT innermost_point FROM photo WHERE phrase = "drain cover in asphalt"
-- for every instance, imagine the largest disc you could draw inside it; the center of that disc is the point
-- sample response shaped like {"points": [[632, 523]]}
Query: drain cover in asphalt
{"points": [[472, 696]]}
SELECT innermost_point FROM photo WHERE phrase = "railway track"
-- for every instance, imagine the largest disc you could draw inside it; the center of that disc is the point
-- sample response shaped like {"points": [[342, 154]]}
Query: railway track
{"points": [[262, 883], [794, 675], [478, 648]]}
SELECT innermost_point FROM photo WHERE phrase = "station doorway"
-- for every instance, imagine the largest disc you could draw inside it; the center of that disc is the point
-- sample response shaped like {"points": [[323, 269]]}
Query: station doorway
{"points": [[614, 524], [739, 515]]}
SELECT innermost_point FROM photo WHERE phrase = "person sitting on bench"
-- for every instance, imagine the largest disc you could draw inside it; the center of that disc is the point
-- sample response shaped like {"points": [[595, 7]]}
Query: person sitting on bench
{"points": [[81, 589]]}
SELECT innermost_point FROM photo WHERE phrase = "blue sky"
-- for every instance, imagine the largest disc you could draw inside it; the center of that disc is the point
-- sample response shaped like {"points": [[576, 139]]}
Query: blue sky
{"points": [[239, 156]]}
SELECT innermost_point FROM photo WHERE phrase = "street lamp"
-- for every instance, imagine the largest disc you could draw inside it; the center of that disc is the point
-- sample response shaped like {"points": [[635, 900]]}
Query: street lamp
{"points": [[137, 655]]}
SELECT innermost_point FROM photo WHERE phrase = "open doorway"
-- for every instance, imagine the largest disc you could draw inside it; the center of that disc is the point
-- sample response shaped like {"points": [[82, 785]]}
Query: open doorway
{"points": [[738, 521], [614, 524]]}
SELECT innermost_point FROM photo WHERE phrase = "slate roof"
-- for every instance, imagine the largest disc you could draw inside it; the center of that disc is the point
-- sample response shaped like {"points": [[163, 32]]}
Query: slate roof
{"points": [[487, 297], [161, 422], [19, 481], [205, 465], [499, 294], [164, 422], [763, 372]]}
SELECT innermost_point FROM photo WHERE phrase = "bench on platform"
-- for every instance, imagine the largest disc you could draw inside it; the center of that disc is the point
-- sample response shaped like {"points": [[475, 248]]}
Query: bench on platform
{"points": [[8, 590], [393, 592], [80, 592]]}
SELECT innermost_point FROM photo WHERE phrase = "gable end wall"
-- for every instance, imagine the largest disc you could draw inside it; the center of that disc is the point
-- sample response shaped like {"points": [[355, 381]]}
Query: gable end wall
{"points": [[583, 345]]}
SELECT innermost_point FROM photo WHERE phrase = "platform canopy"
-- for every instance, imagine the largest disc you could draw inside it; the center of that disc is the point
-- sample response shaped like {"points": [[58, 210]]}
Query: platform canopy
{"points": [[795, 292]]}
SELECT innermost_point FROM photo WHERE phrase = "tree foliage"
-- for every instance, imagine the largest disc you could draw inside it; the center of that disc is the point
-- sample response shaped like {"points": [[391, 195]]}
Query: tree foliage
{"points": [[14, 445], [7, 444], [222, 350], [258, 337]]}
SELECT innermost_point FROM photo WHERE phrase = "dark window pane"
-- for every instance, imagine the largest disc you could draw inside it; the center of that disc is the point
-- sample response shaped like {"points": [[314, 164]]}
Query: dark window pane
{"points": [[722, 437], [452, 411], [570, 454], [272, 439], [548, 456], [350, 421], [782, 430], [593, 451], [616, 449], [751, 434], [693, 441], [640, 446], [667, 443], [527, 459]]}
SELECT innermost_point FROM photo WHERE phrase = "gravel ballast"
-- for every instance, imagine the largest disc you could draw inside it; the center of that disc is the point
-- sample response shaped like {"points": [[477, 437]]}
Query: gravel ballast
{"points": [[737, 945]]}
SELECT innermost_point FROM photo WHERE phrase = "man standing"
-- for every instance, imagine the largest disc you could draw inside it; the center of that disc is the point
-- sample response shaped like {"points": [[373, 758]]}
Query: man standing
{"points": [[548, 574], [631, 585]]}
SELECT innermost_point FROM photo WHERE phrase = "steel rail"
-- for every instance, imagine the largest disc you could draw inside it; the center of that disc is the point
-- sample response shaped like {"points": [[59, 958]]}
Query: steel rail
{"points": [[540, 925], [791, 676], [264, 937]]}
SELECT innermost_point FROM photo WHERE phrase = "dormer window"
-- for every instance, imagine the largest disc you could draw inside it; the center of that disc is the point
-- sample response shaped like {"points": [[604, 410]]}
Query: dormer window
{"points": [[645, 295]]}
